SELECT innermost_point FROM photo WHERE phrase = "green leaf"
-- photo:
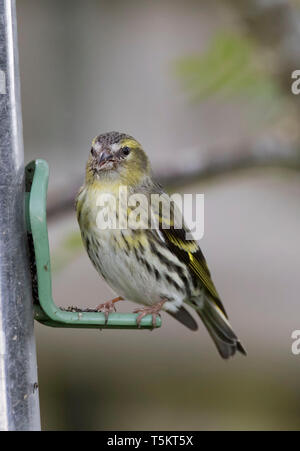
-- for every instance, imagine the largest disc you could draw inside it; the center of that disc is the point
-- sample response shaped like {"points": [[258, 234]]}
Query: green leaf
{"points": [[229, 67]]}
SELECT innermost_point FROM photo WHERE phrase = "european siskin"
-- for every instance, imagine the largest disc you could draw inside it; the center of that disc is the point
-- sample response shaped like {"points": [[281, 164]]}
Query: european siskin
{"points": [[156, 266]]}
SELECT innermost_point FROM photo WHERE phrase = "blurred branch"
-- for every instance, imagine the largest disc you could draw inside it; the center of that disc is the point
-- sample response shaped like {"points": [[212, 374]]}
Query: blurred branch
{"points": [[266, 154]]}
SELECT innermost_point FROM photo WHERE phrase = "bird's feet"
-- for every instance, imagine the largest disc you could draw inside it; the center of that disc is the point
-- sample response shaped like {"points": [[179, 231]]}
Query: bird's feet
{"points": [[108, 307], [154, 310]]}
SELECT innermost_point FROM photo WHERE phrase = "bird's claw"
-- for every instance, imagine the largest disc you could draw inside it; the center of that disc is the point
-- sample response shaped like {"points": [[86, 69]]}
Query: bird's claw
{"points": [[154, 310], [106, 308]]}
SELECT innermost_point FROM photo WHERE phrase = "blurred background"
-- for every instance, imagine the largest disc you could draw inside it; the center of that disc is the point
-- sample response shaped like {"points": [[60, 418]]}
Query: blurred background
{"points": [[206, 88]]}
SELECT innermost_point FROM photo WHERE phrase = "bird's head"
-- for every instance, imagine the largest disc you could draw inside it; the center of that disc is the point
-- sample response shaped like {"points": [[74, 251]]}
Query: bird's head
{"points": [[117, 158]]}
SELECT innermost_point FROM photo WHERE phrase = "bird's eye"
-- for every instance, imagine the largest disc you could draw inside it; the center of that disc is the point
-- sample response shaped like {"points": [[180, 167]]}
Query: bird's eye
{"points": [[93, 152], [126, 150]]}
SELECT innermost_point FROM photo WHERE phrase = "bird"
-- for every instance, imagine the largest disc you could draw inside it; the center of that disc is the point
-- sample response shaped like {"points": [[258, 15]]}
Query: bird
{"points": [[154, 265]]}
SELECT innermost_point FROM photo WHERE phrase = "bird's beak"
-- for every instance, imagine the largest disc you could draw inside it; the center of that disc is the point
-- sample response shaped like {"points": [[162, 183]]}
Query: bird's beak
{"points": [[104, 156]]}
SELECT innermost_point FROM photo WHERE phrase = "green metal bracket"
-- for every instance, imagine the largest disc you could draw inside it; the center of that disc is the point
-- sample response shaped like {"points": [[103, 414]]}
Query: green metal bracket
{"points": [[45, 310]]}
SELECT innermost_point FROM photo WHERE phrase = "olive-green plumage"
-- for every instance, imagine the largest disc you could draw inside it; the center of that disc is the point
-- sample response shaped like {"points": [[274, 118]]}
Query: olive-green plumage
{"points": [[157, 267]]}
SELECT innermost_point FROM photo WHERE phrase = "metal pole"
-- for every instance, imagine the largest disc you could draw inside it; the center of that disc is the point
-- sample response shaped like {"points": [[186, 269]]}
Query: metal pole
{"points": [[19, 402]]}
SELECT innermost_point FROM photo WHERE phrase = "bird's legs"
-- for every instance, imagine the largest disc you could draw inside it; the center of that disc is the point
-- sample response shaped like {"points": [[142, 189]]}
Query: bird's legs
{"points": [[154, 310], [108, 307]]}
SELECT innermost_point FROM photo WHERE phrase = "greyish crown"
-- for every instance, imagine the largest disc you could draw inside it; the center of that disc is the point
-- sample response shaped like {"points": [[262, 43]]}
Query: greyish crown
{"points": [[112, 138]]}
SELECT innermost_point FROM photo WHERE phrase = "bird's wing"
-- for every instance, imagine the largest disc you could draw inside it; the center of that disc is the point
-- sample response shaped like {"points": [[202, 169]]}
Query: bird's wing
{"points": [[187, 251]]}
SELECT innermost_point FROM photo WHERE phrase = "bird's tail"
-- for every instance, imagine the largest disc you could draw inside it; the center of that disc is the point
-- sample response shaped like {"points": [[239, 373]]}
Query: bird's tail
{"points": [[218, 327]]}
